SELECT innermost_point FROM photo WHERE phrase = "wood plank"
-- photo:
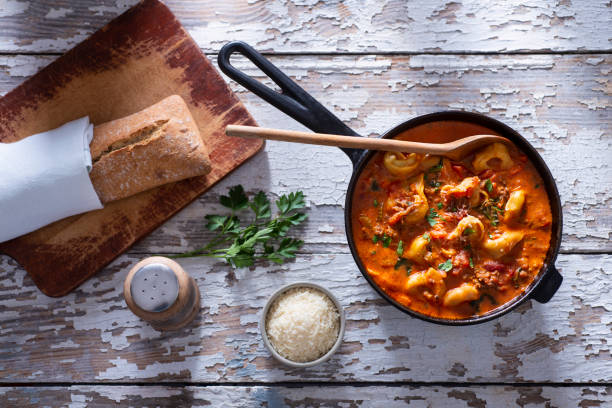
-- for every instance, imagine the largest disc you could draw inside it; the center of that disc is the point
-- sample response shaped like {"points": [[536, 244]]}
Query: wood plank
{"points": [[296, 397], [562, 104], [321, 26], [90, 335]]}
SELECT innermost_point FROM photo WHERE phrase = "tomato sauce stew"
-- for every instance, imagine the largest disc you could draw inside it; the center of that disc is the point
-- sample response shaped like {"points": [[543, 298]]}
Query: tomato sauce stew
{"points": [[451, 239]]}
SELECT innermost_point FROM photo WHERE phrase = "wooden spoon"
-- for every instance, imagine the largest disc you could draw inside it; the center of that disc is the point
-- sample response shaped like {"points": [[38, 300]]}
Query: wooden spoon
{"points": [[455, 150]]}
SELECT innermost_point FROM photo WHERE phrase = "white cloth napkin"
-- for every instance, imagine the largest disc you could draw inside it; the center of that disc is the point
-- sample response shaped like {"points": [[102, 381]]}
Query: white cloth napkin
{"points": [[45, 177]]}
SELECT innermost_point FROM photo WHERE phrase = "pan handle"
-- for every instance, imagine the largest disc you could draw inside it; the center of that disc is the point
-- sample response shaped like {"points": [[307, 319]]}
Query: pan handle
{"points": [[294, 101], [548, 286]]}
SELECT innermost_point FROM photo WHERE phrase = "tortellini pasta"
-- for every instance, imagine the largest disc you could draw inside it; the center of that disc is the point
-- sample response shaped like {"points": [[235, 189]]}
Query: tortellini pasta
{"points": [[482, 159], [414, 211], [431, 279], [500, 246], [429, 161], [464, 293], [468, 188], [402, 164], [417, 249], [469, 226], [514, 205], [420, 200]]}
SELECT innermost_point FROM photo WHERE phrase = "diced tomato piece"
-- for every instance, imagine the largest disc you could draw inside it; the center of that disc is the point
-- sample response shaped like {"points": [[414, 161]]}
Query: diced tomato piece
{"points": [[492, 266]]}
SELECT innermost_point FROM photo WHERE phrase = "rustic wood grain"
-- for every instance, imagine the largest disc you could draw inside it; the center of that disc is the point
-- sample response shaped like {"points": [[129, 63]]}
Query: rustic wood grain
{"points": [[81, 396], [562, 104], [331, 26], [91, 336]]}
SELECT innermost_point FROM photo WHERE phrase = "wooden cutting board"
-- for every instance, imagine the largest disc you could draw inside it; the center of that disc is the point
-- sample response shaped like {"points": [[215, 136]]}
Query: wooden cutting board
{"points": [[136, 60]]}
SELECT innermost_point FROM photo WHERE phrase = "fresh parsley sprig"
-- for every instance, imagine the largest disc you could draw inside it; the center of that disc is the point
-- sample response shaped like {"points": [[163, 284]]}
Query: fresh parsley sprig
{"points": [[265, 238]]}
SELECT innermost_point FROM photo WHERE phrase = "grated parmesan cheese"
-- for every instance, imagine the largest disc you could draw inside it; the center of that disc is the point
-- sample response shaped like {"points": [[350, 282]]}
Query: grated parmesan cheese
{"points": [[303, 324]]}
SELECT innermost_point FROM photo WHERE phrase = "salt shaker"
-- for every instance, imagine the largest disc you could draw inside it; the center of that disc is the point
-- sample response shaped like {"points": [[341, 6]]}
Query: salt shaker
{"points": [[158, 290]]}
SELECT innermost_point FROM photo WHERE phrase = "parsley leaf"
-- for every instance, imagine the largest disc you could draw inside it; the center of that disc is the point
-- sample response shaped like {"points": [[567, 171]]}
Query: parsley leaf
{"points": [[236, 200], [437, 168], [400, 248], [471, 263], [432, 217], [405, 263], [264, 238], [446, 265], [490, 209], [427, 237], [261, 206], [286, 250], [468, 231], [375, 239], [439, 205], [386, 240], [288, 203], [375, 203], [489, 185]]}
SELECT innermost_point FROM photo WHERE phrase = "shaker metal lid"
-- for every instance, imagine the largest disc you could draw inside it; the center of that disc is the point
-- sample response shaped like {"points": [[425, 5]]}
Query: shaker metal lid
{"points": [[154, 287]]}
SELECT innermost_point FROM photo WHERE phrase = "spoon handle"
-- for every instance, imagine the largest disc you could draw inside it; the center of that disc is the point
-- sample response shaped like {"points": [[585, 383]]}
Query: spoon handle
{"points": [[334, 140]]}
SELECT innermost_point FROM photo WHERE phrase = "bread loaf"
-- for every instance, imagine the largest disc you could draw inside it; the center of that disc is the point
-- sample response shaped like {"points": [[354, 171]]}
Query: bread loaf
{"points": [[158, 145]]}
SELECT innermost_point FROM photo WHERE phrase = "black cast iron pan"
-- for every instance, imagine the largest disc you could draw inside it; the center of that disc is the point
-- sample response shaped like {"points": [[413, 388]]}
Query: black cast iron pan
{"points": [[298, 104]]}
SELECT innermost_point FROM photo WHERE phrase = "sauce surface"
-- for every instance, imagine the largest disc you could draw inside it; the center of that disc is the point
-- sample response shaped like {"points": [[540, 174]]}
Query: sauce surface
{"points": [[451, 239]]}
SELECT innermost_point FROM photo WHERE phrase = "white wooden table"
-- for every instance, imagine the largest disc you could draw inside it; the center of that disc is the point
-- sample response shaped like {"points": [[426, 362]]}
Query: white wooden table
{"points": [[543, 67]]}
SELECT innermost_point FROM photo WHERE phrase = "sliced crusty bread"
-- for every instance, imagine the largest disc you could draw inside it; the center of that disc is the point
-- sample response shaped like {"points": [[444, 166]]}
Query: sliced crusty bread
{"points": [[158, 145]]}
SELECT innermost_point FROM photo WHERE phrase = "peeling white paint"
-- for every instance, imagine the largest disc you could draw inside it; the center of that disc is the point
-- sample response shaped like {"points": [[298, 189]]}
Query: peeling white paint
{"points": [[357, 26], [58, 13], [11, 8], [380, 342]]}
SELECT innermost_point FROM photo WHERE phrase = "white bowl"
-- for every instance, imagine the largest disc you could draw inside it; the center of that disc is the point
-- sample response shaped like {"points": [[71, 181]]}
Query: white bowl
{"points": [[270, 347]]}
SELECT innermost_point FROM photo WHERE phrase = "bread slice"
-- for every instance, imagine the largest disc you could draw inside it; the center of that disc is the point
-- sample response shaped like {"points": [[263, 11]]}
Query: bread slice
{"points": [[158, 145]]}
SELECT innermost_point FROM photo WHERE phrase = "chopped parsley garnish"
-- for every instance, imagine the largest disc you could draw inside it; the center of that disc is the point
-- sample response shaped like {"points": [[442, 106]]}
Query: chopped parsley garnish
{"points": [[374, 186], [537, 185], [427, 237], [400, 248], [446, 265], [434, 169], [435, 183], [375, 203], [515, 277], [375, 239], [405, 263], [490, 210], [468, 231], [489, 185], [471, 263], [432, 217], [386, 240], [439, 205], [437, 168]]}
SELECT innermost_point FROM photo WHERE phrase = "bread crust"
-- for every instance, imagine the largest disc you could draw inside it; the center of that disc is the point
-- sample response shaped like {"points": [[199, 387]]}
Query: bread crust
{"points": [[158, 145]]}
